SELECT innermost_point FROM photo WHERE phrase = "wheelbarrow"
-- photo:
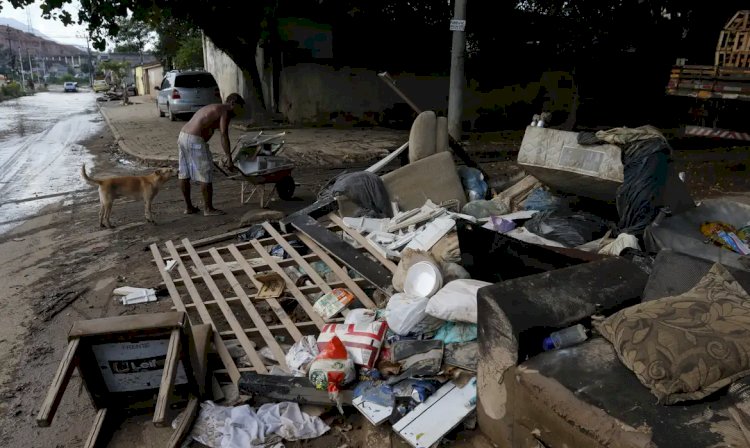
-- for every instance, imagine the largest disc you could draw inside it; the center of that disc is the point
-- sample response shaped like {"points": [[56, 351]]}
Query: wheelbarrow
{"points": [[260, 166]]}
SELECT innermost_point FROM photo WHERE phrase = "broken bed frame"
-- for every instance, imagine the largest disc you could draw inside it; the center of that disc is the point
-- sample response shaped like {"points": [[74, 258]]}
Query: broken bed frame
{"points": [[223, 292]]}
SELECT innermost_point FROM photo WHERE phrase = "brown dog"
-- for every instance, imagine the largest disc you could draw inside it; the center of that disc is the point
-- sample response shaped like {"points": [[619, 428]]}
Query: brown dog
{"points": [[145, 187]]}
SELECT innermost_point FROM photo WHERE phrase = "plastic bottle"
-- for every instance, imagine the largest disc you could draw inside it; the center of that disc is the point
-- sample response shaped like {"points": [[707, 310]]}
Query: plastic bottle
{"points": [[565, 337]]}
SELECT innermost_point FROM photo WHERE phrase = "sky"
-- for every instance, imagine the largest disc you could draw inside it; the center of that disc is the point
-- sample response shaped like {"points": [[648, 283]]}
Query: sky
{"points": [[52, 29]]}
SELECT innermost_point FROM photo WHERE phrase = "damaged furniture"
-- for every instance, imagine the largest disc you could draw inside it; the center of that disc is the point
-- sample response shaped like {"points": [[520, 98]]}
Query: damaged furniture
{"points": [[584, 396], [123, 361]]}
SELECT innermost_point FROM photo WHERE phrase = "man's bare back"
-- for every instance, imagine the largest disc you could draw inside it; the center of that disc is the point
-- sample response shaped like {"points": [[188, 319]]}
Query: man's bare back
{"points": [[206, 120]]}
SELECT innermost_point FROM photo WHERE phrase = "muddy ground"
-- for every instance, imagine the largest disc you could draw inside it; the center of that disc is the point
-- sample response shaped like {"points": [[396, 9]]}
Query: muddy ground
{"points": [[63, 250]]}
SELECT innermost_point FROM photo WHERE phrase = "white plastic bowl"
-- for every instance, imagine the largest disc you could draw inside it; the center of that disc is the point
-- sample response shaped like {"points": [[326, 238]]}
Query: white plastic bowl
{"points": [[423, 279]]}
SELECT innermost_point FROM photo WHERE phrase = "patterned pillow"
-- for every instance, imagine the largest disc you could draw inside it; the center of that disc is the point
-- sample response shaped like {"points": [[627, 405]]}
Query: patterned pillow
{"points": [[686, 347]]}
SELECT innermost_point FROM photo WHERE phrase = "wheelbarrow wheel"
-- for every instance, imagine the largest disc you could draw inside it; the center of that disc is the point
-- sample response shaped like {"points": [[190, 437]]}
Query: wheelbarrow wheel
{"points": [[285, 188]]}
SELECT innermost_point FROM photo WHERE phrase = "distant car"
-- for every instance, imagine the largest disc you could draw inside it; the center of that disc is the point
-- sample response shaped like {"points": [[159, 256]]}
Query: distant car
{"points": [[132, 91], [100, 85], [70, 87], [183, 92]]}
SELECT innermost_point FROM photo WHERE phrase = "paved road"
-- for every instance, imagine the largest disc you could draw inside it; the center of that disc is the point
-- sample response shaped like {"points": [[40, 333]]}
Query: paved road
{"points": [[40, 151]]}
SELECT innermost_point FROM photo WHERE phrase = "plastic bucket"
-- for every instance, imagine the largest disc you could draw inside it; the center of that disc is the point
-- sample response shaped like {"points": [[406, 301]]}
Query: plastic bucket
{"points": [[423, 279]]}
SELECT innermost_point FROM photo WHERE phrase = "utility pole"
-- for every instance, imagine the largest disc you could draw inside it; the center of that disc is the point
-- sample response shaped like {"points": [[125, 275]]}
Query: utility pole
{"points": [[20, 61], [457, 79]]}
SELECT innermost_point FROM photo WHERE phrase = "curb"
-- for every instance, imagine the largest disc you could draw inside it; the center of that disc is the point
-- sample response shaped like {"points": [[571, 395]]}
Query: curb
{"points": [[124, 146]]}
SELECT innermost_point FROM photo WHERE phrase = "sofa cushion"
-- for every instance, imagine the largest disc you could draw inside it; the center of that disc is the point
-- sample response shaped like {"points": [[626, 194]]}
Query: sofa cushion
{"points": [[433, 178], [688, 346]]}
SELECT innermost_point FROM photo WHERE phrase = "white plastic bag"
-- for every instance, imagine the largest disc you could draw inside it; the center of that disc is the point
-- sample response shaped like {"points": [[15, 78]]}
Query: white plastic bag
{"points": [[302, 353], [406, 314], [456, 301], [360, 316]]}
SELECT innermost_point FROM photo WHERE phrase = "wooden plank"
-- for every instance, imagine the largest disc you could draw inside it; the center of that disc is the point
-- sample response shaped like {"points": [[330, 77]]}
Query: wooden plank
{"points": [[188, 417], [225, 309], [309, 270], [290, 286], [377, 274], [391, 266], [252, 312], [167, 378], [297, 325], [340, 273], [59, 383], [272, 303], [221, 349], [303, 289], [287, 262], [125, 324], [96, 429]]}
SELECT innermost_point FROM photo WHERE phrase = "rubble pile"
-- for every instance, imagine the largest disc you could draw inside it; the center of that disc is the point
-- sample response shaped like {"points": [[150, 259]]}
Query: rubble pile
{"points": [[430, 304]]}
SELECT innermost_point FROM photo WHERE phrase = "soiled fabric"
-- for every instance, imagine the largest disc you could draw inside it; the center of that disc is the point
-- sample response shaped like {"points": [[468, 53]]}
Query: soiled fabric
{"points": [[241, 427], [624, 136], [367, 191], [689, 346]]}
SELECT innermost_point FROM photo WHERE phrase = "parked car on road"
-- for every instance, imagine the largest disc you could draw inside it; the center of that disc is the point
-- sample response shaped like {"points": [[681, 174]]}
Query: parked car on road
{"points": [[100, 85], [183, 92], [70, 86]]}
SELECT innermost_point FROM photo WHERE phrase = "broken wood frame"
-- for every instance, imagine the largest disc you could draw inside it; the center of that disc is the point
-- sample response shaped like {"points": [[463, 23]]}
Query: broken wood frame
{"points": [[223, 293], [114, 357]]}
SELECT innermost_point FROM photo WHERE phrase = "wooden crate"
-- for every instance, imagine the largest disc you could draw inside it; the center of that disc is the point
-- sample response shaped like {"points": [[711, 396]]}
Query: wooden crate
{"points": [[733, 48]]}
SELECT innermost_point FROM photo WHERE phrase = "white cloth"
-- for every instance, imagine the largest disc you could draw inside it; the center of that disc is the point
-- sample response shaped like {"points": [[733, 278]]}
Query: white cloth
{"points": [[241, 427]]}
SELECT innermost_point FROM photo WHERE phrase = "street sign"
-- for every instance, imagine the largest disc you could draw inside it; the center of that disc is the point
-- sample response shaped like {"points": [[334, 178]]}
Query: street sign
{"points": [[458, 24]]}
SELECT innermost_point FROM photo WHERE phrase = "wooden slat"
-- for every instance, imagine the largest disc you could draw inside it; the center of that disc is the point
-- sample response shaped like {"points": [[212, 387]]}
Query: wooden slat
{"points": [[338, 271], [272, 303], [315, 317], [221, 349], [309, 270], [59, 383], [167, 378], [96, 429], [252, 312], [310, 257], [188, 418], [391, 266], [225, 309], [303, 289], [297, 325]]}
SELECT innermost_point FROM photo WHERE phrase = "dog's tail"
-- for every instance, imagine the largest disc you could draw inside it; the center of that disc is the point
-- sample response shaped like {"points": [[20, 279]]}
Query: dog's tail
{"points": [[86, 177]]}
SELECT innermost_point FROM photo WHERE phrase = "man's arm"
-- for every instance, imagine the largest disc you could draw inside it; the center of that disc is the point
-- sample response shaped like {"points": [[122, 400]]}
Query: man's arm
{"points": [[224, 130]]}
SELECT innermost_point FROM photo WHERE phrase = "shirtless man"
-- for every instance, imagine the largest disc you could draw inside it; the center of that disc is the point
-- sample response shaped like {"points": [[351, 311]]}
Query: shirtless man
{"points": [[196, 162]]}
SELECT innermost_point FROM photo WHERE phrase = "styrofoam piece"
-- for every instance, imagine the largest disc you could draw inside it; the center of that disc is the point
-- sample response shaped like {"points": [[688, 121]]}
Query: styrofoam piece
{"points": [[366, 224], [521, 233], [125, 290], [423, 279], [170, 265], [431, 234], [430, 421], [374, 412], [142, 296], [402, 241]]}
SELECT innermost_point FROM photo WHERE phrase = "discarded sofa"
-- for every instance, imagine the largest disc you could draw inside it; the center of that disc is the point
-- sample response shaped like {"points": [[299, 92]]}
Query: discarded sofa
{"points": [[585, 396]]}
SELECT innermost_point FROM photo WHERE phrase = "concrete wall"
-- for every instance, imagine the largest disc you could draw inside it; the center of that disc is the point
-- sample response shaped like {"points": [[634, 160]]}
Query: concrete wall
{"points": [[228, 75], [153, 78]]}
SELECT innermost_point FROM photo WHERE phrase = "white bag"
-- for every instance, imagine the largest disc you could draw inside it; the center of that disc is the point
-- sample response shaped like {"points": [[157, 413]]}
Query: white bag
{"points": [[406, 314], [456, 301]]}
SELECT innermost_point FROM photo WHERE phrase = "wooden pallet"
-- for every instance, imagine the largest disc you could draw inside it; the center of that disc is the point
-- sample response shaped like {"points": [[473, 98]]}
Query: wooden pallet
{"points": [[733, 47], [217, 286]]}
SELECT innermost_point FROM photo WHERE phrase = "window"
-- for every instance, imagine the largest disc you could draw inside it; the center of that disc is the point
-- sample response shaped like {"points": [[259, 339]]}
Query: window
{"points": [[165, 84], [195, 81]]}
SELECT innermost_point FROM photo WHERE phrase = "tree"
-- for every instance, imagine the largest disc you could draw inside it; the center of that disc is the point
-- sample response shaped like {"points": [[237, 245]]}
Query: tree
{"points": [[131, 35], [117, 69], [190, 54]]}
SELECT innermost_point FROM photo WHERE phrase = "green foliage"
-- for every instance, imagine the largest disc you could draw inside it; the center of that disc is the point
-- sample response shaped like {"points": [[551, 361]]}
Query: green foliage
{"points": [[118, 69], [190, 54], [11, 90]]}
